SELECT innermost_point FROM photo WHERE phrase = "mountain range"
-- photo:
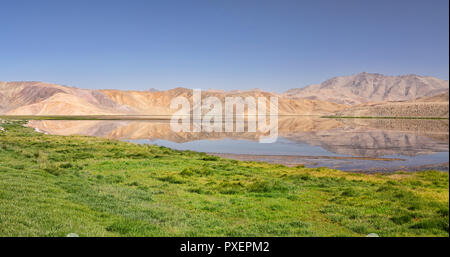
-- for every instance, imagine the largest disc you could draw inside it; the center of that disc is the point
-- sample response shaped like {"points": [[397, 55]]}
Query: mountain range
{"points": [[371, 87], [336, 95]]}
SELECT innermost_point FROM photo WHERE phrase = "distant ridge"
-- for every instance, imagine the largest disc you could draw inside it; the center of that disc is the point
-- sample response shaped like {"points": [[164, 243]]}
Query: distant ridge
{"points": [[336, 95], [371, 87], [39, 98], [436, 106]]}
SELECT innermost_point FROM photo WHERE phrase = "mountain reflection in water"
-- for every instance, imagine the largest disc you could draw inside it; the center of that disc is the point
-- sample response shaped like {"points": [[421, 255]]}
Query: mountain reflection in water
{"points": [[311, 141]]}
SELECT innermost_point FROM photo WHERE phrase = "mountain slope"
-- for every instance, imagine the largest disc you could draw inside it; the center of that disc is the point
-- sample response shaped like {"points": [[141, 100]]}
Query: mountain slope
{"points": [[37, 98], [367, 87], [366, 91], [430, 106], [62, 104], [159, 102], [444, 97]]}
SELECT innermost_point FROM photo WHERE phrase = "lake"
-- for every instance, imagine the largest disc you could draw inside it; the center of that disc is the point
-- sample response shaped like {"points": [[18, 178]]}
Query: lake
{"points": [[369, 145]]}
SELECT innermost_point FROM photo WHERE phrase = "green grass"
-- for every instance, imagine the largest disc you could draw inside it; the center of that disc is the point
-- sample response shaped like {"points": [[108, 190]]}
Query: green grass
{"points": [[54, 185]]}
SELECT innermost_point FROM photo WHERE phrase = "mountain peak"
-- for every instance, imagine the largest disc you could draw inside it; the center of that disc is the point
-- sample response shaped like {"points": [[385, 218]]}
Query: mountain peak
{"points": [[371, 87]]}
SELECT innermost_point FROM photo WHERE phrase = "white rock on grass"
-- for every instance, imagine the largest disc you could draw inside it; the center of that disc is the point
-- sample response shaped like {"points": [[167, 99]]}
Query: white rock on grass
{"points": [[72, 235]]}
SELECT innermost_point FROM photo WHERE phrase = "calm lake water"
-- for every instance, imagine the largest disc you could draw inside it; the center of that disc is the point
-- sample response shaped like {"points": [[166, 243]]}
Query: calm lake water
{"points": [[349, 144]]}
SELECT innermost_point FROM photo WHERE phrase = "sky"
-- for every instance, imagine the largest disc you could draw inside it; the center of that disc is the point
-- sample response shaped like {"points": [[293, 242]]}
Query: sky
{"points": [[219, 44]]}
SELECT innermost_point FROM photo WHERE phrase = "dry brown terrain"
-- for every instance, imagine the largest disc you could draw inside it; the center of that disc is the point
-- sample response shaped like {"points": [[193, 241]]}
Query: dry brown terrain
{"points": [[434, 106], [367, 87], [158, 103], [37, 98], [363, 94]]}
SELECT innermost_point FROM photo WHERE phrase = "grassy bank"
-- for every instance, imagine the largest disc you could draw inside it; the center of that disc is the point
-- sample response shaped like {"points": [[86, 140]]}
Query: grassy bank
{"points": [[54, 185]]}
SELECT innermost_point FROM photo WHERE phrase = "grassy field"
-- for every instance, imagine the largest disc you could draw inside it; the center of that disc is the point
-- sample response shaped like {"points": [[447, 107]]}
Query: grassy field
{"points": [[54, 185]]}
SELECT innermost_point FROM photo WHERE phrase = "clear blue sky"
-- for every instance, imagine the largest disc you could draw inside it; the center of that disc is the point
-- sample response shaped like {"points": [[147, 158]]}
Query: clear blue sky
{"points": [[242, 44]]}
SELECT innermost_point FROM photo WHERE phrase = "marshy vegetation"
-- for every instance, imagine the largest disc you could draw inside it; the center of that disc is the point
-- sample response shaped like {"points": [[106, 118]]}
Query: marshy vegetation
{"points": [[55, 185]]}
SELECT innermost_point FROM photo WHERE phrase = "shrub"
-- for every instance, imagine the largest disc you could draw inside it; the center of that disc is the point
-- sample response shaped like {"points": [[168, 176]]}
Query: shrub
{"points": [[210, 158]]}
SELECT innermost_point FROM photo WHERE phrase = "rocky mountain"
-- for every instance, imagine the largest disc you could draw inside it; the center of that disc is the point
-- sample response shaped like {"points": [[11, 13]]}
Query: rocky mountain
{"points": [[38, 98], [369, 87], [351, 95], [444, 97], [429, 106]]}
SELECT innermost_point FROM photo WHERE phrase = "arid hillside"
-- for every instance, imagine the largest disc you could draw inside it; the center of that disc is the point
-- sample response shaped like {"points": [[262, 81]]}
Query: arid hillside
{"points": [[434, 106], [153, 103], [363, 94], [369, 88], [37, 98], [433, 99]]}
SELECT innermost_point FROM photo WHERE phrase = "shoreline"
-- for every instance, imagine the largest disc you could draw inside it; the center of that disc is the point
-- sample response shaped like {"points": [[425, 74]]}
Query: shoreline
{"points": [[309, 162], [101, 187], [168, 117]]}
